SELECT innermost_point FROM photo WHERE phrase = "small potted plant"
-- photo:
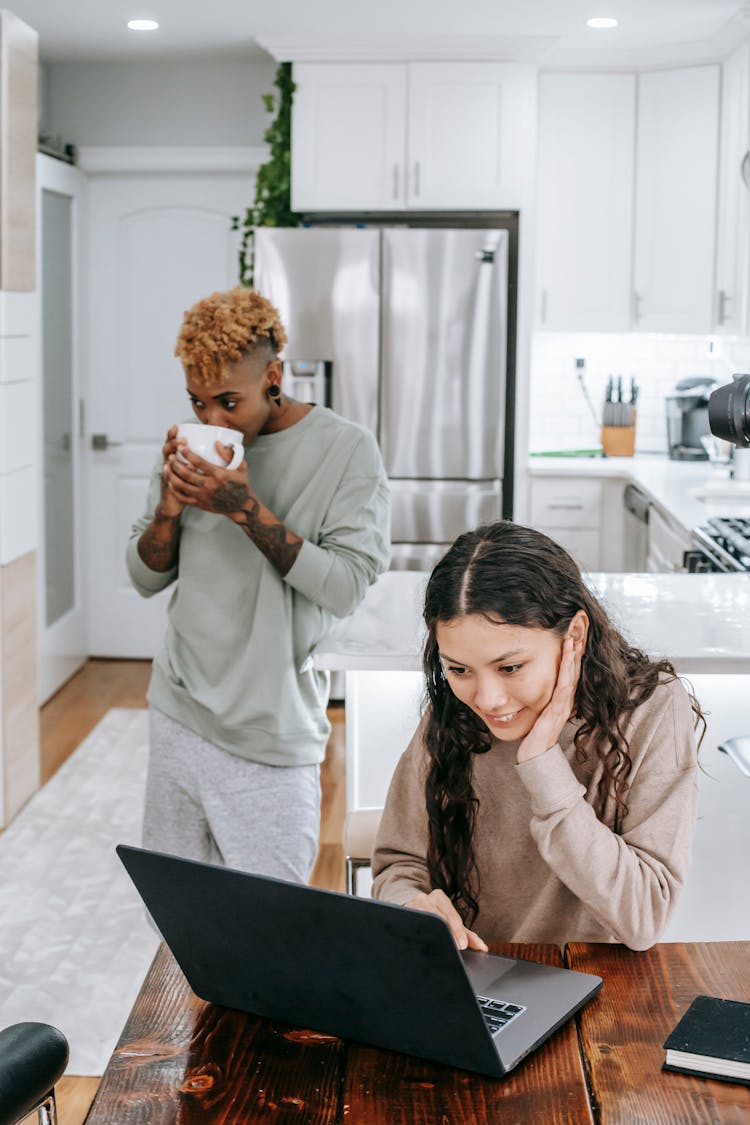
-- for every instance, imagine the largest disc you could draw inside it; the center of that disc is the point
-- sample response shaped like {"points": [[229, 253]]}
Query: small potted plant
{"points": [[272, 205]]}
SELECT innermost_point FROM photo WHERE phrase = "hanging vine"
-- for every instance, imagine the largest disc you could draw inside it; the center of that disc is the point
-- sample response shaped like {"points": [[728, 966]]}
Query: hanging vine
{"points": [[272, 206]]}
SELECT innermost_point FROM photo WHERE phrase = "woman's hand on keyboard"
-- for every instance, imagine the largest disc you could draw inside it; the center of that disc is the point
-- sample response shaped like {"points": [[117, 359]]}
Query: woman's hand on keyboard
{"points": [[437, 902]]}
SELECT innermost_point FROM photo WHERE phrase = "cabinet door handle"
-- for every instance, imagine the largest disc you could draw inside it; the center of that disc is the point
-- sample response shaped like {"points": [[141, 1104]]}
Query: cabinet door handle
{"points": [[745, 169], [416, 179], [636, 303], [565, 507], [395, 181], [543, 307], [724, 300]]}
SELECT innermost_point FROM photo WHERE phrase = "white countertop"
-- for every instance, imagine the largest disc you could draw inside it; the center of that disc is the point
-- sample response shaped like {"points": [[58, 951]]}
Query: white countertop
{"points": [[690, 491], [700, 621]]}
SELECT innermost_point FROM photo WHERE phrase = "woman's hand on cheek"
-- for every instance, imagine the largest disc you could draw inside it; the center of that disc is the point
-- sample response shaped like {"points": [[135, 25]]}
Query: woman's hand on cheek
{"points": [[546, 730], [437, 902]]}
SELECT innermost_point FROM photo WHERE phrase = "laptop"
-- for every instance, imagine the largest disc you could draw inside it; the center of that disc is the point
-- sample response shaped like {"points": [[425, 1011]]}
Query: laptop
{"points": [[357, 968]]}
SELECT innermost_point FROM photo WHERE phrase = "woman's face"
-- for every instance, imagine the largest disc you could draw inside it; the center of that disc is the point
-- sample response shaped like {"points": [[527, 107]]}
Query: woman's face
{"points": [[505, 673], [240, 399]]}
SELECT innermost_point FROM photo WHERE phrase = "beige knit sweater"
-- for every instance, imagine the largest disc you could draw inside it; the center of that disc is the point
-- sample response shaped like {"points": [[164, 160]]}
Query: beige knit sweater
{"points": [[549, 870]]}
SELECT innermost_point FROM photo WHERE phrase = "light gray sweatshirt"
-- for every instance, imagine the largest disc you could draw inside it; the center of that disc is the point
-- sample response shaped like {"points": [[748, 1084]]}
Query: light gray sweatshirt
{"points": [[236, 665], [549, 870]]}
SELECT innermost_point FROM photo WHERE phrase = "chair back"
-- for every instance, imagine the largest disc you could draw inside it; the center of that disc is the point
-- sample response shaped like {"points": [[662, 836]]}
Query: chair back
{"points": [[360, 829], [33, 1056]]}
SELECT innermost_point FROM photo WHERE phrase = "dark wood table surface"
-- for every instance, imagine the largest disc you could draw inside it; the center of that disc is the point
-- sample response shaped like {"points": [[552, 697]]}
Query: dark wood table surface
{"points": [[181, 1060], [624, 1027]]}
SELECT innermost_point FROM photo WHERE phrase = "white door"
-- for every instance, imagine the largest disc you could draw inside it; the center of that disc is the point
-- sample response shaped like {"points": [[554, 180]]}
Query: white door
{"points": [[349, 136], [155, 244], [675, 200], [61, 617]]}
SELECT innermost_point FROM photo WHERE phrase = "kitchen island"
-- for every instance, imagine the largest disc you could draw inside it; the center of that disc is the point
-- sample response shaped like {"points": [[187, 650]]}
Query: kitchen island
{"points": [[700, 621]]}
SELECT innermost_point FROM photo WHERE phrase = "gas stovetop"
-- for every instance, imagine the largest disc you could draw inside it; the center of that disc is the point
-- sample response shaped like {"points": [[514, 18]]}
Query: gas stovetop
{"points": [[727, 540]]}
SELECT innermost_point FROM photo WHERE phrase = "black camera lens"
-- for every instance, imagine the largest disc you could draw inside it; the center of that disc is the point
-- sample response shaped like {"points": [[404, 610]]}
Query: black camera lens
{"points": [[728, 414]]}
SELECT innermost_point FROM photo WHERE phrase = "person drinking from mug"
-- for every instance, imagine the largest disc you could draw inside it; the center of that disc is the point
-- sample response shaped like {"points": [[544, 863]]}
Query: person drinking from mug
{"points": [[549, 793], [261, 558]]}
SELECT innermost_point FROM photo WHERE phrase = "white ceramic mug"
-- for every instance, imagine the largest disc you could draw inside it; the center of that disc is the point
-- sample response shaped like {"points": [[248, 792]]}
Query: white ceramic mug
{"points": [[202, 440]]}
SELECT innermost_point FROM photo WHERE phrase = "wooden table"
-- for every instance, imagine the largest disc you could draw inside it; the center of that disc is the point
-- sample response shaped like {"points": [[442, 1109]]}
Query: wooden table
{"points": [[623, 1028], [182, 1060]]}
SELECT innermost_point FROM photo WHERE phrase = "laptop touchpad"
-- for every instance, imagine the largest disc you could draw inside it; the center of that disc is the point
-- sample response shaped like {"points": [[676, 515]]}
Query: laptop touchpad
{"points": [[485, 970]]}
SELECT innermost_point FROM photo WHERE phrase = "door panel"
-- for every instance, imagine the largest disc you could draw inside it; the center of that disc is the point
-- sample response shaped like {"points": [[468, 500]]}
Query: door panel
{"points": [[62, 631], [156, 244]]}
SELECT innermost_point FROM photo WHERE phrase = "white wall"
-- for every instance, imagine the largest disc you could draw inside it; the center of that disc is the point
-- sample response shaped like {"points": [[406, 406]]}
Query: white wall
{"points": [[190, 102]]}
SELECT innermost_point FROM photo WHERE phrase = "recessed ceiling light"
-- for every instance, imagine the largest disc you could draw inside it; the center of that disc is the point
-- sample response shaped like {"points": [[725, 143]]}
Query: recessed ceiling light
{"points": [[600, 22], [142, 25]]}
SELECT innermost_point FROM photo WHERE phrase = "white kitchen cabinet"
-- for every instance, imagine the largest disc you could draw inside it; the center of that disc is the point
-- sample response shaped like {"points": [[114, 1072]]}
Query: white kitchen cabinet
{"points": [[390, 136], [675, 200], [732, 308], [627, 174], [585, 201], [348, 136], [569, 510]]}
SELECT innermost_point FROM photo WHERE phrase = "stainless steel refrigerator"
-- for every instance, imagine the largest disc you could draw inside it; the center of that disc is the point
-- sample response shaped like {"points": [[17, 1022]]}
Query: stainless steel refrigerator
{"points": [[405, 330]]}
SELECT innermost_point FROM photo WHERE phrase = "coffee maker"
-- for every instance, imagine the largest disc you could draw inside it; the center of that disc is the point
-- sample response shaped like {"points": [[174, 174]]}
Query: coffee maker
{"points": [[687, 418]]}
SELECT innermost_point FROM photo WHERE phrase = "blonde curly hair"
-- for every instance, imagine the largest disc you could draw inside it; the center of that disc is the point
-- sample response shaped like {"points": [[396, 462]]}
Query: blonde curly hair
{"points": [[224, 328]]}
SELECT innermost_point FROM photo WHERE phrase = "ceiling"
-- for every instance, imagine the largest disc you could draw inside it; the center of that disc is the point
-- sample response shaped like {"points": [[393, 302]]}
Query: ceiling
{"points": [[552, 31]]}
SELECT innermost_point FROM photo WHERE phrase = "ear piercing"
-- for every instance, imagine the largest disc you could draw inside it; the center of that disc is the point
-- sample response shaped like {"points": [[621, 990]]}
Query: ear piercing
{"points": [[274, 393]]}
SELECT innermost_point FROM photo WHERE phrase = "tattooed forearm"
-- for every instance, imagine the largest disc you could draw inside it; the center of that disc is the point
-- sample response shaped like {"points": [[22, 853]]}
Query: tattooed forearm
{"points": [[230, 496], [278, 544], [159, 545]]}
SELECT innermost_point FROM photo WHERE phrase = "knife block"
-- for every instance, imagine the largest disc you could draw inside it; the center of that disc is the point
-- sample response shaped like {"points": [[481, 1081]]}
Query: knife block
{"points": [[619, 441]]}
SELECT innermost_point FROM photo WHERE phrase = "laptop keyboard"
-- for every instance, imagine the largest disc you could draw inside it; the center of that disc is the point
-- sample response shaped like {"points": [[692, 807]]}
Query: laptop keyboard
{"points": [[498, 1014]]}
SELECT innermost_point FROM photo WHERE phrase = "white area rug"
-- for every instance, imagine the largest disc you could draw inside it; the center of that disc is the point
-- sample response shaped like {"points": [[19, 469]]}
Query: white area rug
{"points": [[74, 941]]}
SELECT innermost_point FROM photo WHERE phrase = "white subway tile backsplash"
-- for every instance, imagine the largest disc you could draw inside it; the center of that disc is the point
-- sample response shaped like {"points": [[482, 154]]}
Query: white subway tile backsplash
{"points": [[560, 417]]}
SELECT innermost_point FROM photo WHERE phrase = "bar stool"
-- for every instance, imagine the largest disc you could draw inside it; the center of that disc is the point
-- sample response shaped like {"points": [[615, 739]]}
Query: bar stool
{"points": [[33, 1056], [360, 829]]}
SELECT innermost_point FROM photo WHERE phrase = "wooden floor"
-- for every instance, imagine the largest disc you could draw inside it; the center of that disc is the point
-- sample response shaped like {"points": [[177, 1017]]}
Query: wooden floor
{"points": [[75, 710]]}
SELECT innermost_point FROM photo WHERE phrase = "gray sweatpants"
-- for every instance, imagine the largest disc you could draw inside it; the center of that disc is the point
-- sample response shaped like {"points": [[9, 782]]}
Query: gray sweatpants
{"points": [[207, 804]]}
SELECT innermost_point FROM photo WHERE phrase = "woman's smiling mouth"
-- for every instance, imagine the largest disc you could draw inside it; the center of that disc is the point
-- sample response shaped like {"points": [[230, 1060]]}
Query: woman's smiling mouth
{"points": [[503, 719]]}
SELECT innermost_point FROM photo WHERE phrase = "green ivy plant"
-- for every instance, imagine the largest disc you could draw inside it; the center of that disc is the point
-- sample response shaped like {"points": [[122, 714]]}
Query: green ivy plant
{"points": [[272, 206]]}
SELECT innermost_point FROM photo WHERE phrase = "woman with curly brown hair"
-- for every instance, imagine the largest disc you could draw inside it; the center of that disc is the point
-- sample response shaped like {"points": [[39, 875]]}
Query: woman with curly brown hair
{"points": [[549, 794], [262, 558]]}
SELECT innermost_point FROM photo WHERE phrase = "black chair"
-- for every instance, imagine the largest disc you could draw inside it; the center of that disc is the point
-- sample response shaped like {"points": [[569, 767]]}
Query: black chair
{"points": [[33, 1056]]}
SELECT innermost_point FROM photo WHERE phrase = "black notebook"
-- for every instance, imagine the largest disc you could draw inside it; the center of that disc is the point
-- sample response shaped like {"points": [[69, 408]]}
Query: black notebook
{"points": [[712, 1040]]}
